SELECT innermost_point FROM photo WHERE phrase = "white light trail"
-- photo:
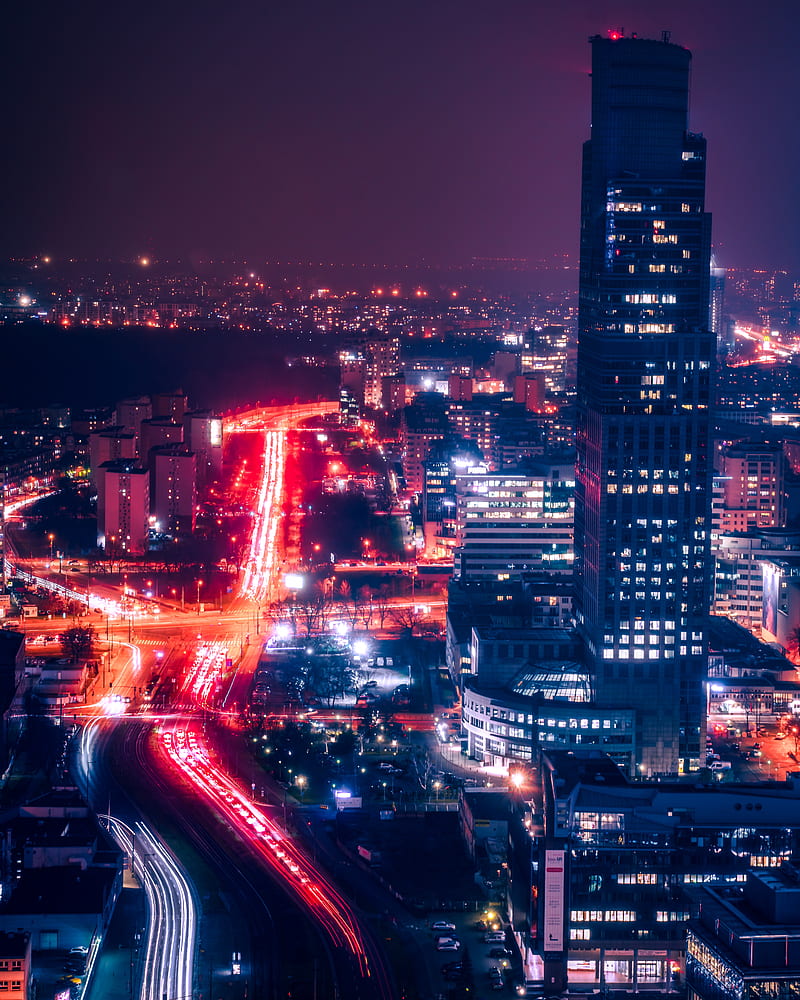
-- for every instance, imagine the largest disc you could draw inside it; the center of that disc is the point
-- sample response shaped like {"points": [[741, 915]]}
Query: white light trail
{"points": [[168, 963]]}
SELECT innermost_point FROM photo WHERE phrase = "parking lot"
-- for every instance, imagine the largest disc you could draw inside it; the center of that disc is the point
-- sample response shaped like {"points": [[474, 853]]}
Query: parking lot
{"points": [[472, 945]]}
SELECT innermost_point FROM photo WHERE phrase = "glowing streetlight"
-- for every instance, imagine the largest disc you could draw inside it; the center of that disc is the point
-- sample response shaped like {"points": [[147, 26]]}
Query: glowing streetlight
{"points": [[51, 539], [436, 786], [199, 585], [301, 781]]}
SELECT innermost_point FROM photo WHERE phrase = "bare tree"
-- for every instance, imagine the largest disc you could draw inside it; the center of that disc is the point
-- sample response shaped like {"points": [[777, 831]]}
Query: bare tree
{"points": [[78, 642], [312, 609], [382, 604], [408, 619], [331, 678], [366, 608]]}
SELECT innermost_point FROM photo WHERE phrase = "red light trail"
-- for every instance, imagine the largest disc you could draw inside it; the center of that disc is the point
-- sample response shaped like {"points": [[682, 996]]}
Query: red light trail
{"points": [[186, 749]]}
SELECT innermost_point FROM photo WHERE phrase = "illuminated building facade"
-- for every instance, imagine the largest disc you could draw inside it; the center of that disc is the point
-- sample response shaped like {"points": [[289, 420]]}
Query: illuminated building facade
{"points": [[645, 357], [753, 487], [123, 508], [370, 356], [173, 475], [202, 434], [632, 857], [423, 423], [477, 420], [745, 944], [546, 352], [514, 523]]}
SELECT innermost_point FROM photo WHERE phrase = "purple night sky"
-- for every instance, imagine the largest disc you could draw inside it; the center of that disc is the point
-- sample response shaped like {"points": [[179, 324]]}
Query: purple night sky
{"points": [[367, 132]]}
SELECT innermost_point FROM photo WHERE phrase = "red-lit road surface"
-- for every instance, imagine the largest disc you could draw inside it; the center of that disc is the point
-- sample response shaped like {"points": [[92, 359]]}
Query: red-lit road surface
{"points": [[263, 560], [186, 749], [260, 580], [201, 681]]}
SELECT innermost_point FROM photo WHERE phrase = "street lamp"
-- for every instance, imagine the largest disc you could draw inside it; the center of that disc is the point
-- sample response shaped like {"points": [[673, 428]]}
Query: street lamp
{"points": [[301, 781], [199, 585], [436, 786], [51, 539], [517, 779]]}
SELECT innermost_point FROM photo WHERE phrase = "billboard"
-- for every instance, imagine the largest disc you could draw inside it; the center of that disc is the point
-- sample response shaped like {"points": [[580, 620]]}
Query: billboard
{"points": [[553, 922], [771, 576]]}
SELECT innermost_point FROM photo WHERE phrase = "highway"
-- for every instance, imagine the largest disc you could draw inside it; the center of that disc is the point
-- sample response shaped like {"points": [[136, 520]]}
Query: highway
{"points": [[169, 952], [240, 839], [171, 938]]}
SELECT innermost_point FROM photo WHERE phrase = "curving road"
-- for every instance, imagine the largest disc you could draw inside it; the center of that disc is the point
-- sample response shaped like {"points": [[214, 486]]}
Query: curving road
{"points": [[169, 952], [171, 940], [359, 966]]}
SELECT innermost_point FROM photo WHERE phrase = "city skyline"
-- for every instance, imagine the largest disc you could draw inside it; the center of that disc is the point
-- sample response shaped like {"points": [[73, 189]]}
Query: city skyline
{"points": [[365, 134]]}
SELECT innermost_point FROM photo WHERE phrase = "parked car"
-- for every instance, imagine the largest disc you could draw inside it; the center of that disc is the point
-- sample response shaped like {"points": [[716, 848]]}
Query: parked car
{"points": [[456, 966], [448, 944], [442, 925]]}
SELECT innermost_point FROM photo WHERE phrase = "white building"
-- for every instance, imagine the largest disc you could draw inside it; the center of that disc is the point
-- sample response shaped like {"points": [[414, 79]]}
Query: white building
{"points": [[173, 477], [123, 520], [514, 523]]}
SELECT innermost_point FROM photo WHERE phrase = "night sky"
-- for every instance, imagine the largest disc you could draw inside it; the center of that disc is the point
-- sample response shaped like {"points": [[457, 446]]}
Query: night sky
{"points": [[352, 132]]}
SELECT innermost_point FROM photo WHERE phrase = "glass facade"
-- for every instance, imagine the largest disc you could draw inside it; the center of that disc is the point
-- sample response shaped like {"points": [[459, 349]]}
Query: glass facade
{"points": [[645, 360]]}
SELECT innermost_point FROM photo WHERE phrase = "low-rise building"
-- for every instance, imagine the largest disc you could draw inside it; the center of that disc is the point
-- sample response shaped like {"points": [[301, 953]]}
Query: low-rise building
{"points": [[745, 942]]}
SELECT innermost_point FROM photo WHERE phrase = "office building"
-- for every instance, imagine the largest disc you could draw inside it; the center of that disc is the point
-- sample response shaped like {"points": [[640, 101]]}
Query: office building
{"points": [[615, 865], [424, 422], [717, 323], [738, 566], [546, 352], [645, 358], [752, 476], [446, 459], [745, 942], [514, 523]]}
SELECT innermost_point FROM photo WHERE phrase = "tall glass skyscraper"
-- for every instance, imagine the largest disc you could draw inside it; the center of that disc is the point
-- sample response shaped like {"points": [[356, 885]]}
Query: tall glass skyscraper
{"points": [[645, 363]]}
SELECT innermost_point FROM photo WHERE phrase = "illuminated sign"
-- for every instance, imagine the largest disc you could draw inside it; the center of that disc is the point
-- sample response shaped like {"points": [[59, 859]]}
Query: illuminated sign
{"points": [[553, 924], [215, 433]]}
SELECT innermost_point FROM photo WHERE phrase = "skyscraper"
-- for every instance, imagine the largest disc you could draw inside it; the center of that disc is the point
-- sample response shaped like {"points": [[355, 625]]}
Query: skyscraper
{"points": [[645, 360]]}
